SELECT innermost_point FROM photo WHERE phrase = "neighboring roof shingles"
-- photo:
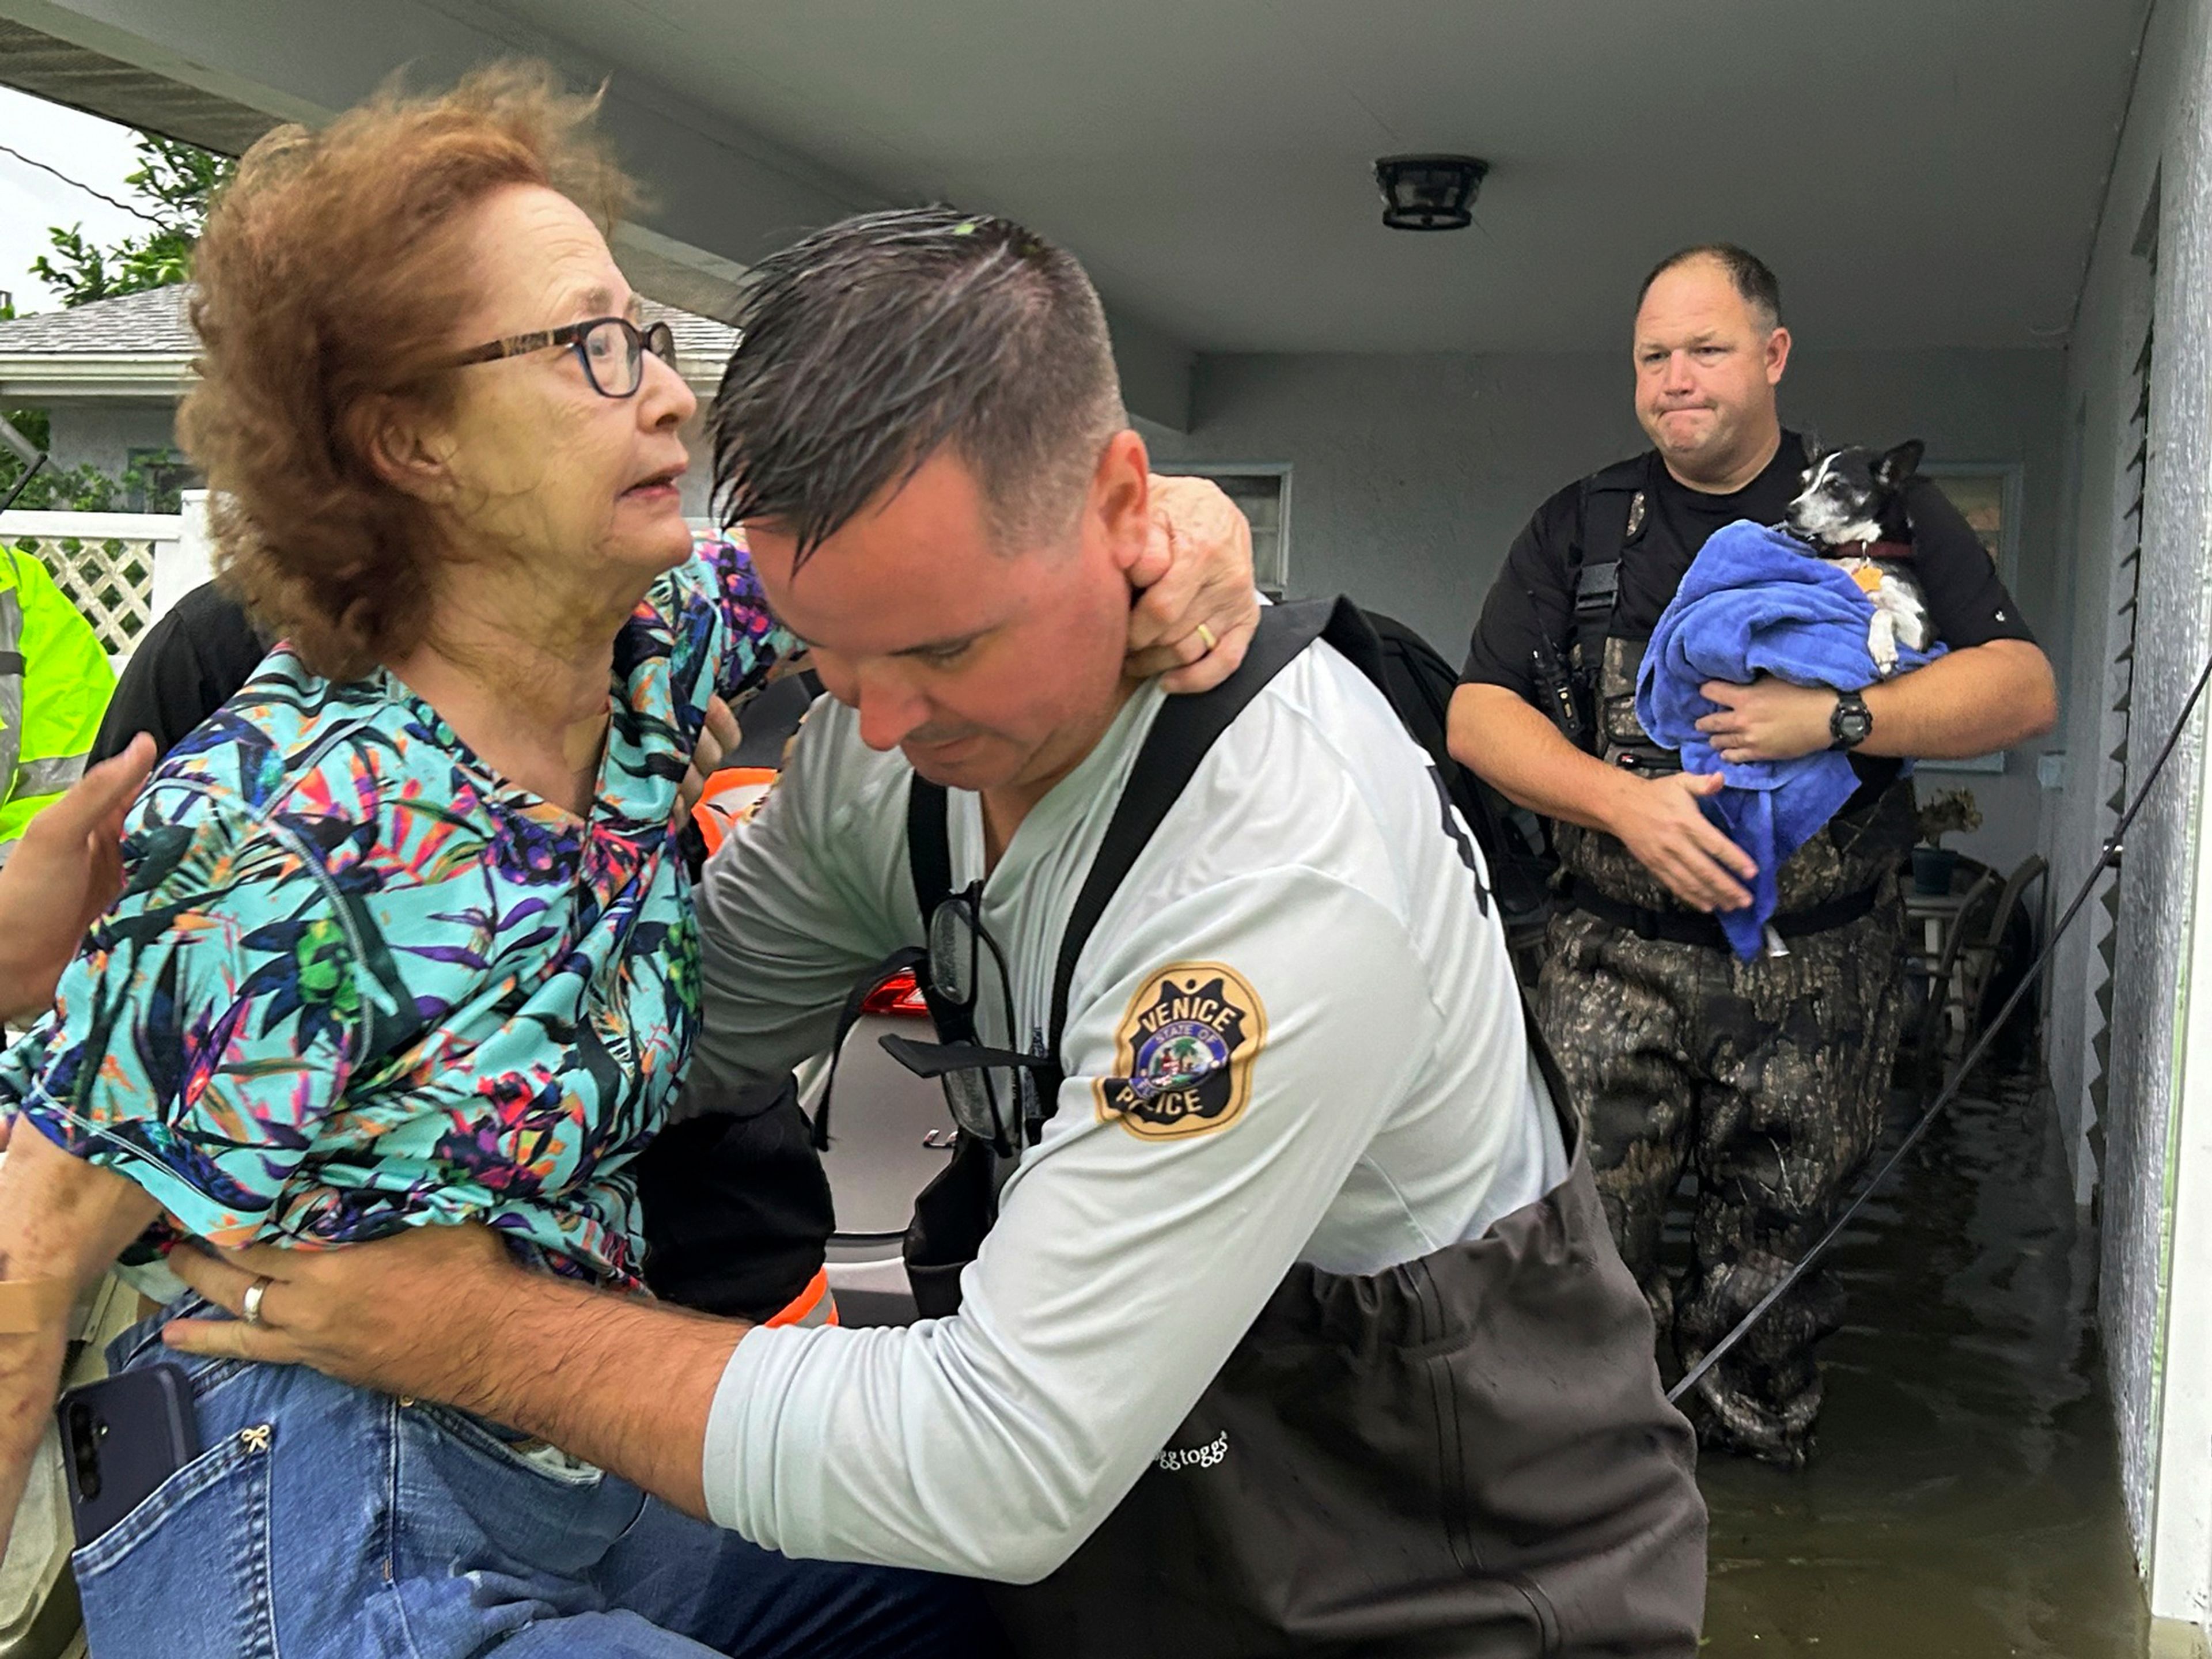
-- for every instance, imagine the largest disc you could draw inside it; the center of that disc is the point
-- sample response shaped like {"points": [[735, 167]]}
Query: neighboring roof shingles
{"points": [[153, 324]]}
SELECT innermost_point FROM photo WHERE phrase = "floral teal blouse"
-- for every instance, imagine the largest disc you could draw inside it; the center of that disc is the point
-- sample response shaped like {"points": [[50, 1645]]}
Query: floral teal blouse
{"points": [[356, 982]]}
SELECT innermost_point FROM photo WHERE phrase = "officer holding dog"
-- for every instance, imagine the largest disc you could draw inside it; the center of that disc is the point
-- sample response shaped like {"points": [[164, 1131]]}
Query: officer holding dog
{"points": [[1768, 1077]]}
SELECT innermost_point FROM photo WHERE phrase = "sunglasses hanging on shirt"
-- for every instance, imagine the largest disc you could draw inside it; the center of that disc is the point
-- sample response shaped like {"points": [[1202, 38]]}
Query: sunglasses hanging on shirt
{"points": [[992, 1093]]}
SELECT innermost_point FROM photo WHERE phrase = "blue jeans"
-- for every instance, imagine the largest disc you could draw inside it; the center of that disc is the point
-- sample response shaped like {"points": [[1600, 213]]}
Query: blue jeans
{"points": [[324, 1520]]}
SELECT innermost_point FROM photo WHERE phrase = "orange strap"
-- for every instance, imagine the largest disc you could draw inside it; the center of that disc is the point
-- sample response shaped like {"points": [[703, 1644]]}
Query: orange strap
{"points": [[715, 805], [812, 1306]]}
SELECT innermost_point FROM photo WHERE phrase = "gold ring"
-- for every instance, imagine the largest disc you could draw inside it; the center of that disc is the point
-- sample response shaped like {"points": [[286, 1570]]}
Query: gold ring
{"points": [[249, 1306], [1206, 635]]}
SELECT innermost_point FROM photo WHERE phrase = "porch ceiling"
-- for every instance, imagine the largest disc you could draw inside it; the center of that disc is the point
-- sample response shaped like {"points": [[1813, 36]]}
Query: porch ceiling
{"points": [[1920, 171]]}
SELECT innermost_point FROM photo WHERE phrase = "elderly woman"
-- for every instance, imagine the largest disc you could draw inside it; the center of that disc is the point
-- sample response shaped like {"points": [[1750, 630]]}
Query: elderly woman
{"points": [[402, 939]]}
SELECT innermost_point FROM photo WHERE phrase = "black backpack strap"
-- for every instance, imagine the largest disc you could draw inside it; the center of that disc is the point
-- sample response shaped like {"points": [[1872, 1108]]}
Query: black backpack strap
{"points": [[1182, 733], [1611, 511], [928, 845], [929, 856], [957, 1205], [955, 1210]]}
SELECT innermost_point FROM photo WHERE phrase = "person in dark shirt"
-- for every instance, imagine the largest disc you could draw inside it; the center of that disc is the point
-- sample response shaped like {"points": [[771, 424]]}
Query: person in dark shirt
{"points": [[1768, 1077], [187, 666]]}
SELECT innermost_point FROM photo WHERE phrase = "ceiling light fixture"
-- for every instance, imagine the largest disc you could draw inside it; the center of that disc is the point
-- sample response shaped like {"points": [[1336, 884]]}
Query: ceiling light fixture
{"points": [[1430, 193]]}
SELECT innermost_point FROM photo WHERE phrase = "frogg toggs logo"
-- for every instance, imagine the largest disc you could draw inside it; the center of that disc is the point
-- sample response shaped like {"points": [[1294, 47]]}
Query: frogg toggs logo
{"points": [[1195, 1457]]}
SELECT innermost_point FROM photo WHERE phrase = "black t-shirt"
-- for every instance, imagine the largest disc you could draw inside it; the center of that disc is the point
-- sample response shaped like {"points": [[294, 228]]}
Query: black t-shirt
{"points": [[1534, 598], [189, 664]]}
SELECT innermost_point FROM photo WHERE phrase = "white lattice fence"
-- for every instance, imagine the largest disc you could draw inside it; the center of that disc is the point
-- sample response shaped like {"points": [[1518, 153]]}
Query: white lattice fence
{"points": [[103, 563]]}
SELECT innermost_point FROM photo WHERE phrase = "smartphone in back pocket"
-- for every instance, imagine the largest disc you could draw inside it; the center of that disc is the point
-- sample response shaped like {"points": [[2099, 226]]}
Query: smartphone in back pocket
{"points": [[121, 1437]]}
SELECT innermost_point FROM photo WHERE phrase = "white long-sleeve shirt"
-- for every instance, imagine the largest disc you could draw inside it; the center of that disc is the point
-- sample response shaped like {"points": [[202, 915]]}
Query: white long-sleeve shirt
{"points": [[1304, 914]]}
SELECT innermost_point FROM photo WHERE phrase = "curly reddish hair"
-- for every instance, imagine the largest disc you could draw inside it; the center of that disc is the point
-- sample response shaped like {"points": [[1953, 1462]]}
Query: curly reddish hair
{"points": [[330, 278]]}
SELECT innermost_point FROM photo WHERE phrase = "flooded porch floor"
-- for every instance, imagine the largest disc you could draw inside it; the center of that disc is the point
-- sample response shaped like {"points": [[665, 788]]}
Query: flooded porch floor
{"points": [[1964, 1501]]}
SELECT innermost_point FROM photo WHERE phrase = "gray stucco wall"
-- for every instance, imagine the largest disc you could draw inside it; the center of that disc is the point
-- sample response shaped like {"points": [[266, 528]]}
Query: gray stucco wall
{"points": [[102, 432], [1412, 474], [2164, 157]]}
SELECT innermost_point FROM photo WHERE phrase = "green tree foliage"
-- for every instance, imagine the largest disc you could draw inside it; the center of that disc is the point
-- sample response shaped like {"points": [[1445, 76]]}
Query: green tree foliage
{"points": [[72, 490], [171, 192]]}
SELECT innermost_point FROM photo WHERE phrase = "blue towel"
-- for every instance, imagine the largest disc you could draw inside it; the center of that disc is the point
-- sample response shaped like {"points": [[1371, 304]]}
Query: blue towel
{"points": [[1756, 602]]}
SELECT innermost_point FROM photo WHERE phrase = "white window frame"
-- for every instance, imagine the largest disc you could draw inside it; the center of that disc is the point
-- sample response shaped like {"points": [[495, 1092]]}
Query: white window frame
{"points": [[2013, 476], [1273, 582]]}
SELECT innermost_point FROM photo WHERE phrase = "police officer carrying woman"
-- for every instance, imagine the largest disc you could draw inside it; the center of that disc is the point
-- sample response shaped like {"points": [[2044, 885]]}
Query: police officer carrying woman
{"points": [[1768, 1078]]}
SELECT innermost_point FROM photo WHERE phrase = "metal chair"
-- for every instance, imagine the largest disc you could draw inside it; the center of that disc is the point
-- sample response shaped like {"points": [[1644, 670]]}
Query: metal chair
{"points": [[1977, 958], [1930, 1046]]}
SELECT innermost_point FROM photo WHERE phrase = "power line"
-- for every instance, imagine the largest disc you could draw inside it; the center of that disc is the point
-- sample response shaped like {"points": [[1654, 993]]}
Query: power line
{"points": [[78, 183]]}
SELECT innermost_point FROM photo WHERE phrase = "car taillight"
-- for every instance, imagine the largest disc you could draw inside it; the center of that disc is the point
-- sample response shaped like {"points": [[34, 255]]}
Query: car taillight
{"points": [[898, 994]]}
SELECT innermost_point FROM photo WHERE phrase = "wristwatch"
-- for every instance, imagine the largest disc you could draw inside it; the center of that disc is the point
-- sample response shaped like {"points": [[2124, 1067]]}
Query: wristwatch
{"points": [[1850, 723]]}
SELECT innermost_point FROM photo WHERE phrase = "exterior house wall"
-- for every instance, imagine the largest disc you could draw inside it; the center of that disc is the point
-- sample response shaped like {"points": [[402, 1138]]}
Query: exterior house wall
{"points": [[102, 432], [1412, 474], [2166, 1420], [2154, 1308]]}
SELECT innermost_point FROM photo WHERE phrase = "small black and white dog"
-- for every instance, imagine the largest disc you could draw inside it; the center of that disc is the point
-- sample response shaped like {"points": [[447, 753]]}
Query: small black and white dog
{"points": [[1852, 510]]}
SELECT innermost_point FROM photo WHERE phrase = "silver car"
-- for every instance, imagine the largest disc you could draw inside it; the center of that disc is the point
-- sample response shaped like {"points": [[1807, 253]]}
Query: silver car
{"points": [[891, 1131]]}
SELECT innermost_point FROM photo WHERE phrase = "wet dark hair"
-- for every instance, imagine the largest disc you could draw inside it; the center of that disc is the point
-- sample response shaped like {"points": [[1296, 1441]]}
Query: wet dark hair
{"points": [[873, 344], [1752, 280]]}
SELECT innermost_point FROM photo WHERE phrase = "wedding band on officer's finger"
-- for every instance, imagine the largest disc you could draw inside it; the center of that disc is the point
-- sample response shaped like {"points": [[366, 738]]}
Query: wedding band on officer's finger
{"points": [[249, 1306], [1206, 636]]}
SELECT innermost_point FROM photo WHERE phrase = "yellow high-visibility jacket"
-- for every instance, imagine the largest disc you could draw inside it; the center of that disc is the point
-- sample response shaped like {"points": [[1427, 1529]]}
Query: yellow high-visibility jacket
{"points": [[55, 681]]}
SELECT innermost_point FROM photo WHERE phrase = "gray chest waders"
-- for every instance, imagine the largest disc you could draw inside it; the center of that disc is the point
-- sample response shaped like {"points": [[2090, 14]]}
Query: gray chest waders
{"points": [[1465, 1454]]}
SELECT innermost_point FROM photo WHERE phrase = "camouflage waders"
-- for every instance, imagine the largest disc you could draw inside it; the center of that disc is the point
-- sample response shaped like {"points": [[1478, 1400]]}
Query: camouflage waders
{"points": [[1769, 1078]]}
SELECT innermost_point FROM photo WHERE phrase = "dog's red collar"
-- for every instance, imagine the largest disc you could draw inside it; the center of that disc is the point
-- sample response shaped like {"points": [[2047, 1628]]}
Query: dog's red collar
{"points": [[1879, 550]]}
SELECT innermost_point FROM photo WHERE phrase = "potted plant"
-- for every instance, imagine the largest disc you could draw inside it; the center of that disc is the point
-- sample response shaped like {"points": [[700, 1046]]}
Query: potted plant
{"points": [[1943, 813]]}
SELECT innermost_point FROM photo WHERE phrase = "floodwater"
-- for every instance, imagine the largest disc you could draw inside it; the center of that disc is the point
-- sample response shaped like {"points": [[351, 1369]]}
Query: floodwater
{"points": [[1964, 1500]]}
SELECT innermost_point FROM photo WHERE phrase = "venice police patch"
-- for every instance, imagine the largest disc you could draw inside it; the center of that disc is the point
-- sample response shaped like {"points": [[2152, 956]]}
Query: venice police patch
{"points": [[1184, 1051]]}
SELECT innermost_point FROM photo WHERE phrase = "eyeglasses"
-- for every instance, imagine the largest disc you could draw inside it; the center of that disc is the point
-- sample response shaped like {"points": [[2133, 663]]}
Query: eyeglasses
{"points": [[611, 350], [991, 1092]]}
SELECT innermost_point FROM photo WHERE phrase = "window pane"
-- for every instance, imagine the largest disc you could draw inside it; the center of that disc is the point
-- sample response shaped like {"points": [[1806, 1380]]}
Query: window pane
{"points": [[1980, 497]]}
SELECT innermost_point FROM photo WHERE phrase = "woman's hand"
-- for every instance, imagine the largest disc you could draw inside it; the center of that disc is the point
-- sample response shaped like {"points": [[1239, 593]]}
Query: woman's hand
{"points": [[717, 737], [1197, 607], [64, 871]]}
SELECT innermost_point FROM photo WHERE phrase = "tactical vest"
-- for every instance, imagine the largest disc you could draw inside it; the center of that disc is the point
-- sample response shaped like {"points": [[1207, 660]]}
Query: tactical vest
{"points": [[1832, 879]]}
